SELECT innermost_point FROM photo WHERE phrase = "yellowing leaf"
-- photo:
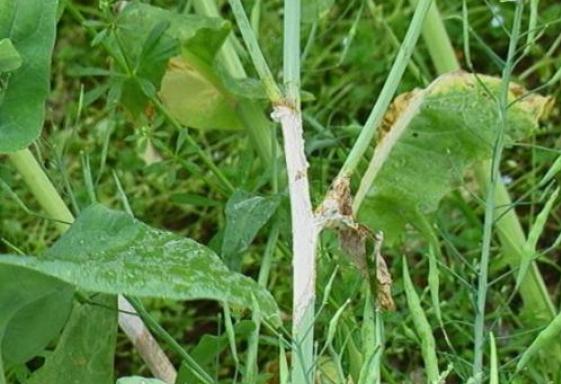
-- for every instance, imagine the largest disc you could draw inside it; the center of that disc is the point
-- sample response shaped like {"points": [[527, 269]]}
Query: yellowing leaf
{"points": [[194, 100], [431, 137]]}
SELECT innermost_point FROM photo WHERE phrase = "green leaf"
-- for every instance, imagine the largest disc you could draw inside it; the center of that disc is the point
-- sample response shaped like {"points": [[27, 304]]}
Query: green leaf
{"points": [[245, 216], [10, 59], [434, 135], [208, 349], [111, 252], [150, 37], [31, 28], [138, 380], [35, 325], [34, 310], [86, 349], [313, 10], [196, 97]]}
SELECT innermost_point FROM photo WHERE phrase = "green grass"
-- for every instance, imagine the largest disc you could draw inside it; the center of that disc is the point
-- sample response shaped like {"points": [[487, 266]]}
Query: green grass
{"points": [[170, 184]]}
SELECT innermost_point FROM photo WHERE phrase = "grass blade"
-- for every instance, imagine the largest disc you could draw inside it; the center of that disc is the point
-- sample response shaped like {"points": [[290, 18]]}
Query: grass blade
{"points": [[545, 338], [422, 327]]}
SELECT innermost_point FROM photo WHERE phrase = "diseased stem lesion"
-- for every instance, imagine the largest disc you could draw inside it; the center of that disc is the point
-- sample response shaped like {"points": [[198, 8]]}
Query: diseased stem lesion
{"points": [[305, 233]]}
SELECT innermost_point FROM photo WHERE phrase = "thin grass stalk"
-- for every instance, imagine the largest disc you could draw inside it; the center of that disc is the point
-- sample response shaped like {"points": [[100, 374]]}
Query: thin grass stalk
{"points": [[253, 342], [49, 199], [402, 59], [422, 327], [494, 370], [490, 200], [273, 91], [537, 302], [250, 113]]}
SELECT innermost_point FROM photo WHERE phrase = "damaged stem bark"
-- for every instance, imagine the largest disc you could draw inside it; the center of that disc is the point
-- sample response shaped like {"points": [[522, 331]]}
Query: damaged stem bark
{"points": [[304, 241]]}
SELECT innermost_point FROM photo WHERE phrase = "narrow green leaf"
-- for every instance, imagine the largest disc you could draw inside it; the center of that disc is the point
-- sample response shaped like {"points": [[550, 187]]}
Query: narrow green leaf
{"points": [[548, 336], [422, 327], [552, 171], [10, 59], [30, 28], [434, 135], [86, 349], [110, 252], [245, 216], [530, 252], [494, 370]]}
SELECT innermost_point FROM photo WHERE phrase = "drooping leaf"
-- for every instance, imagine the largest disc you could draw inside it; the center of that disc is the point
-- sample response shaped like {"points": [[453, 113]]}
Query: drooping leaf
{"points": [[10, 59], [110, 252], [85, 351], [34, 308], [245, 215], [433, 136], [30, 26]]}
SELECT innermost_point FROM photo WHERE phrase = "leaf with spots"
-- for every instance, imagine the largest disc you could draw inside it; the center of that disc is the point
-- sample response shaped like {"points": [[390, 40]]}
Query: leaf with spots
{"points": [[111, 252], [429, 138]]}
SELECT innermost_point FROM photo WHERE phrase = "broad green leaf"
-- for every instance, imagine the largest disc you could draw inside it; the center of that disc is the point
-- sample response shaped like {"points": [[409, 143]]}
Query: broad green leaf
{"points": [[35, 325], [10, 59], [194, 100], [86, 349], [34, 308], [190, 88], [245, 215], [138, 380], [433, 136], [111, 252], [30, 25]]}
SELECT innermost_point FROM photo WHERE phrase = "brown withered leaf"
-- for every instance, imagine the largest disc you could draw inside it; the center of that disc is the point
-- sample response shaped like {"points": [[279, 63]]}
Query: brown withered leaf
{"points": [[336, 213]]}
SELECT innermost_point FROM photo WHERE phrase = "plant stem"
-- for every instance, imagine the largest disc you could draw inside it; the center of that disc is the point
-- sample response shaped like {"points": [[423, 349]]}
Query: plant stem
{"points": [[42, 188], [438, 42], [490, 201], [49, 199], [273, 91], [250, 113], [304, 229], [536, 299], [169, 339], [402, 59]]}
